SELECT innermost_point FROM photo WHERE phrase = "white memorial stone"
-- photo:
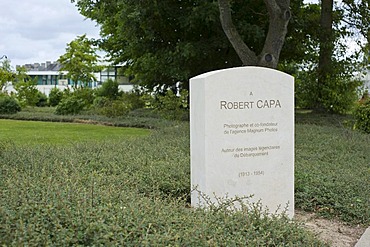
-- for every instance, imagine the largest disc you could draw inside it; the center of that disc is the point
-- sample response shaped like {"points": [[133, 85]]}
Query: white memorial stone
{"points": [[242, 136]]}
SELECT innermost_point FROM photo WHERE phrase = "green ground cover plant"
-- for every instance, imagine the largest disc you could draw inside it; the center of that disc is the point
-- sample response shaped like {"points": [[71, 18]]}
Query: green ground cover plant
{"points": [[123, 192], [135, 191], [141, 118], [332, 168]]}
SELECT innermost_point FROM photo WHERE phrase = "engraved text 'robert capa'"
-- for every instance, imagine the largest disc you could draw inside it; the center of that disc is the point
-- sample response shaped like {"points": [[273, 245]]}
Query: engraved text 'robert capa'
{"points": [[245, 105]]}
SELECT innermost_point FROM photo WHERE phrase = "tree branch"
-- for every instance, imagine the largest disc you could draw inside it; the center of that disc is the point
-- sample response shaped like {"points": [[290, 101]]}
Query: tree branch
{"points": [[279, 16], [247, 56]]}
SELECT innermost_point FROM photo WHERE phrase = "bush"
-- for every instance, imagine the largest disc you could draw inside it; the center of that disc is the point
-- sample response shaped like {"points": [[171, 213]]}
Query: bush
{"points": [[70, 106], [362, 116], [134, 98], [115, 108], [100, 102], [173, 107], [338, 95], [9, 105], [74, 102], [42, 100], [109, 89], [85, 94], [27, 93], [118, 107], [55, 96]]}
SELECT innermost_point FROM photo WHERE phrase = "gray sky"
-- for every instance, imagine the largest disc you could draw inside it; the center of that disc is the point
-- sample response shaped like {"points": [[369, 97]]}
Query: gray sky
{"points": [[35, 31]]}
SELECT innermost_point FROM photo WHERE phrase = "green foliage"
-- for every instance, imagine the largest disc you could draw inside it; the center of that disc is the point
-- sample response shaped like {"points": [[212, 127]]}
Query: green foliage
{"points": [[148, 173], [81, 61], [71, 105], [73, 102], [338, 95], [27, 93], [133, 98], [302, 40], [100, 102], [108, 89], [357, 14], [55, 96], [42, 99], [111, 194], [362, 116], [164, 42], [115, 108], [6, 74], [85, 94], [332, 180], [141, 118], [172, 106], [8, 105], [120, 106]]}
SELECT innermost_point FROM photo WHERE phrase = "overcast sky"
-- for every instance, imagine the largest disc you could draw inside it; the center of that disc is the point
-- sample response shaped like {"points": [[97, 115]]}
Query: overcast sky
{"points": [[36, 31]]}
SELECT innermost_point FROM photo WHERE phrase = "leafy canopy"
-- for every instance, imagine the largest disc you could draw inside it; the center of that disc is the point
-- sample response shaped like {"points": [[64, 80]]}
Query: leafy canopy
{"points": [[6, 74], [162, 42], [80, 61]]}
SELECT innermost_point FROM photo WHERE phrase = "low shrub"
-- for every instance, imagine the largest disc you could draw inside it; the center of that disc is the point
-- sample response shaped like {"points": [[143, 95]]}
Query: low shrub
{"points": [[55, 96], [70, 106], [172, 106], [9, 105], [362, 116], [42, 100], [100, 102], [109, 89], [85, 94], [122, 193], [27, 93], [118, 107], [135, 99], [337, 95], [331, 165], [115, 108]]}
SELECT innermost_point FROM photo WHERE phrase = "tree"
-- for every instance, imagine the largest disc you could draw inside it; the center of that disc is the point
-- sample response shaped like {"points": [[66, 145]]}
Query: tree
{"points": [[166, 42], [326, 47], [80, 61], [279, 15], [301, 45], [357, 18], [6, 74], [324, 80], [27, 93], [162, 42]]}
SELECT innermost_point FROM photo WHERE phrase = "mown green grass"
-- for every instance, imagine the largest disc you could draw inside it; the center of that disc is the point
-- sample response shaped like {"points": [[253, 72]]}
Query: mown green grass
{"points": [[35, 133]]}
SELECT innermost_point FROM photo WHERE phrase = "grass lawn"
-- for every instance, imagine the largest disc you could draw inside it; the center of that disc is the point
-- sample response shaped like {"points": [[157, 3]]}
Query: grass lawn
{"points": [[35, 132]]}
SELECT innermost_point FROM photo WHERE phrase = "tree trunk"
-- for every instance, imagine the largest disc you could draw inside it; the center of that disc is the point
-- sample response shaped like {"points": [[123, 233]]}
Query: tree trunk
{"points": [[326, 46], [279, 15]]}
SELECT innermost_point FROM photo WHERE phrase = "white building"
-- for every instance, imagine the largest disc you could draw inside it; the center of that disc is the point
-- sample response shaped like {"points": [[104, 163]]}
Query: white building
{"points": [[49, 76]]}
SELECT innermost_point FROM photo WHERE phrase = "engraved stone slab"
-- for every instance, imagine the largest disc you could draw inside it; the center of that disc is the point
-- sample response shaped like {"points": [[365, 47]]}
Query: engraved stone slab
{"points": [[242, 136]]}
